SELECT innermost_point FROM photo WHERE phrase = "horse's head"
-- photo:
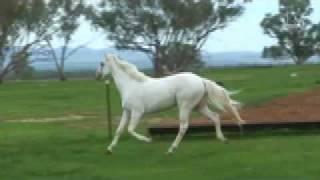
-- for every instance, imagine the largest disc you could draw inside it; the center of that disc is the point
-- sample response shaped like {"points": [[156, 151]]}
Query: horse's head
{"points": [[104, 67]]}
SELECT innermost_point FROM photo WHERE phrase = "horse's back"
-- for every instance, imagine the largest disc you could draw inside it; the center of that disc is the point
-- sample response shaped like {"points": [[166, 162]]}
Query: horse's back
{"points": [[189, 86], [186, 81], [159, 93], [186, 88]]}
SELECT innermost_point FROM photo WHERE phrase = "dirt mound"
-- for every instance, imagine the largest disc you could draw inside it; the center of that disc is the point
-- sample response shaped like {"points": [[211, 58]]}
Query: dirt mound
{"points": [[295, 107]]}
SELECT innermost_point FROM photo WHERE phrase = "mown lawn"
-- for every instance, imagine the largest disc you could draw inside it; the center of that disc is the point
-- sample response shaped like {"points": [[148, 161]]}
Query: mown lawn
{"points": [[61, 151], [75, 149], [52, 98]]}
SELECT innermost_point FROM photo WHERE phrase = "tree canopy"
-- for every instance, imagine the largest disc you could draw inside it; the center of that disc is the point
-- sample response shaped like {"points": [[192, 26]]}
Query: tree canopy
{"points": [[23, 24], [159, 27], [28, 26], [67, 21], [297, 36]]}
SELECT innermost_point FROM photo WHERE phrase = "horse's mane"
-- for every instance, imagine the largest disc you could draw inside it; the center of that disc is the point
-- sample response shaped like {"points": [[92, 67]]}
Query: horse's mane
{"points": [[131, 70]]}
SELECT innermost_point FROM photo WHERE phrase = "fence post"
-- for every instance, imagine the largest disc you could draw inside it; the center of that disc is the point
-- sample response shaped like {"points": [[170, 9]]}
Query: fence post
{"points": [[108, 104]]}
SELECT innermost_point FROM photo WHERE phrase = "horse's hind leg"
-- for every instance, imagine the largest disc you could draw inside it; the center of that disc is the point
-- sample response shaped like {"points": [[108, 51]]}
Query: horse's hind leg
{"points": [[119, 130], [204, 110], [135, 118], [233, 110], [184, 124]]}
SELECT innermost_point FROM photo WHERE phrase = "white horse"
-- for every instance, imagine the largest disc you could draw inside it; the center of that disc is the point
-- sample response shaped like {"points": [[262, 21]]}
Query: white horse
{"points": [[141, 94]]}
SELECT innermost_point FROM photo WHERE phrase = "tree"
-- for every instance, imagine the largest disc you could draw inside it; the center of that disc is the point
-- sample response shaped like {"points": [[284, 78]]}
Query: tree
{"points": [[22, 68], [68, 14], [298, 38], [23, 25], [273, 52], [178, 57], [162, 27]]}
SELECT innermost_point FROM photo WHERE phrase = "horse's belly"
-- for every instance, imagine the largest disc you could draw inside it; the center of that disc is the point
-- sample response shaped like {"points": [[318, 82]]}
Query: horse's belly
{"points": [[159, 101], [159, 106]]}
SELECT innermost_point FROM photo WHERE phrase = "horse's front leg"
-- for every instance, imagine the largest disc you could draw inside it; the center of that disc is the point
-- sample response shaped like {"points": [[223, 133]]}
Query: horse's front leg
{"points": [[135, 119], [123, 122]]}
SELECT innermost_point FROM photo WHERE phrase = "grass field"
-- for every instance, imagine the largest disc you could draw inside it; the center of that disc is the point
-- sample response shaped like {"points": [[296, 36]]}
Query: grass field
{"points": [[75, 149]]}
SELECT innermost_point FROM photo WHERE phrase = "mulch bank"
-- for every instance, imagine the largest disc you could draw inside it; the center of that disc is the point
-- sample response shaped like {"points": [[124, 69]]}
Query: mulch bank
{"points": [[295, 107]]}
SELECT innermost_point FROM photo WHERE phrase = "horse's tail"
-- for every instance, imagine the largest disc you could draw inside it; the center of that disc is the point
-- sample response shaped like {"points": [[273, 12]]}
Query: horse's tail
{"points": [[220, 98]]}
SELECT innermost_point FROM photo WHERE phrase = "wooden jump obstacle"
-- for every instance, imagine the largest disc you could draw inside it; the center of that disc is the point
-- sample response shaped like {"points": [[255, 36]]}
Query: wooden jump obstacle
{"points": [[250, 126]]}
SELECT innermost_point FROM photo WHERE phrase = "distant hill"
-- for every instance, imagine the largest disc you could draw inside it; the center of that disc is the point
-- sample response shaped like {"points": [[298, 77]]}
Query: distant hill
{"points": [[88, 59]]}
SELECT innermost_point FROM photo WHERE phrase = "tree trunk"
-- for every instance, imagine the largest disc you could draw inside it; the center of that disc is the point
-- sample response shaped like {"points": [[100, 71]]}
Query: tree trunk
{"points": [[3, 73], [158, 71], [62, 76], [300, 61]]}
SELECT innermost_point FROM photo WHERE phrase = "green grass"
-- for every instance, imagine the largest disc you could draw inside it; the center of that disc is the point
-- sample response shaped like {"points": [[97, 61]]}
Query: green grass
{"points": [[262, 84], [75, 149], [53, 98], [56, 151]]}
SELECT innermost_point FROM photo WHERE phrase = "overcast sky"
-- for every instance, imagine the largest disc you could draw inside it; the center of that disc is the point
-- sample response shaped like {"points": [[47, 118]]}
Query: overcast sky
{"points": [[244, 34]]}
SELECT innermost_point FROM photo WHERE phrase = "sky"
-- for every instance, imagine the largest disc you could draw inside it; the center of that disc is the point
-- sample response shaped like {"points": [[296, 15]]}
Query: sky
{"points": [[243, 34]]}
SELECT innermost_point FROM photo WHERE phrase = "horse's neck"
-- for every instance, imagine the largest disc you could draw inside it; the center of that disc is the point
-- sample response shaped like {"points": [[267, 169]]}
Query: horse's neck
{"points": [[122, 80]]}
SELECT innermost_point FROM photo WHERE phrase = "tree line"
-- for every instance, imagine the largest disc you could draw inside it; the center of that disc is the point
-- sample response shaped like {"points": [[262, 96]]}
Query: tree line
{"points": [[172, 33]]}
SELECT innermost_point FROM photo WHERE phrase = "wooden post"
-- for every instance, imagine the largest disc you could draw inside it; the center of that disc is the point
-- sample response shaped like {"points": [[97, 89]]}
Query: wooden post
{"points": [[108, 103]]}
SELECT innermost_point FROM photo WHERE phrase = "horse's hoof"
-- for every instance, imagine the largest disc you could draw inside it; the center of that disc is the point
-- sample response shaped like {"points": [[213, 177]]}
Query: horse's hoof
{"points": [[224, 140], [108, 152], [149, 140], [169, 152]]}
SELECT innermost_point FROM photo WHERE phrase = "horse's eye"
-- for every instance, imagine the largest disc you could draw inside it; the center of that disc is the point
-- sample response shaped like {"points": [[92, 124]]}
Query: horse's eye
{"points": [[102, 64]]}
